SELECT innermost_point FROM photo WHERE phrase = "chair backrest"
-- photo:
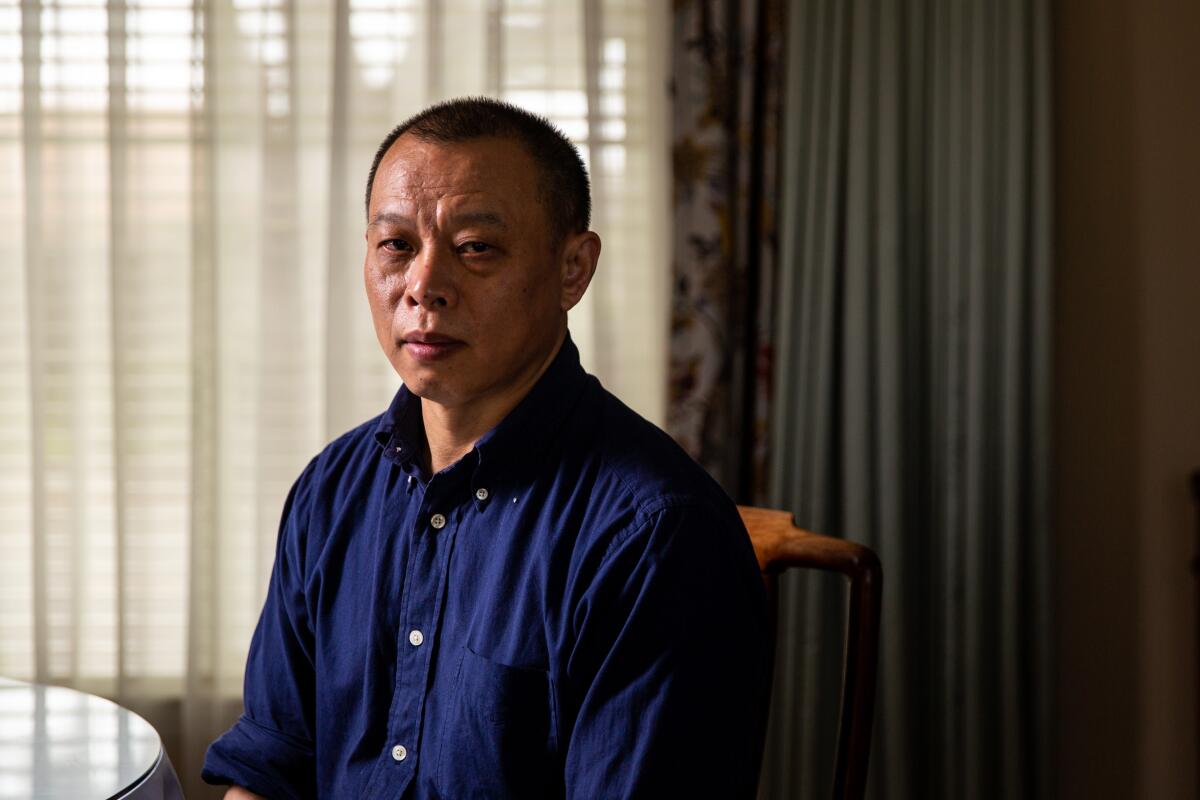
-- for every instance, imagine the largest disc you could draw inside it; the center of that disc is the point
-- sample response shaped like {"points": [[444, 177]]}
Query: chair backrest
{"points": [[1196, 574], [780, 545]]}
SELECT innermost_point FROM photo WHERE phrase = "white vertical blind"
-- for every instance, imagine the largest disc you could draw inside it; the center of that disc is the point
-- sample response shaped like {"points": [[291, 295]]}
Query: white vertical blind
{"points": [[181, 314]]}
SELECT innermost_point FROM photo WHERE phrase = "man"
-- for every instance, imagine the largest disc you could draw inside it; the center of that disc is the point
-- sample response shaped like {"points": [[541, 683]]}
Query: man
{"points": [[508, 585]]}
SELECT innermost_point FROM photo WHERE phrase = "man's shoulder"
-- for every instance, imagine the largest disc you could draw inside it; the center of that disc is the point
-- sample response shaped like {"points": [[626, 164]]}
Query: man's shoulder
{"points": [[353, 447], [647, 496], [641, 462], [342, 462]]}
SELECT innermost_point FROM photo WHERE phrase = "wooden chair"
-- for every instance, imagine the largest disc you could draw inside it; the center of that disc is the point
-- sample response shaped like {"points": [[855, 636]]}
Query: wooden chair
{"points": [[1195, 481], [780, 545]]}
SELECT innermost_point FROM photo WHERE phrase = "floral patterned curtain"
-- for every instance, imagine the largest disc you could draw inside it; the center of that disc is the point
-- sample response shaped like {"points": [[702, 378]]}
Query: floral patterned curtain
{"points": [[726, 76]]}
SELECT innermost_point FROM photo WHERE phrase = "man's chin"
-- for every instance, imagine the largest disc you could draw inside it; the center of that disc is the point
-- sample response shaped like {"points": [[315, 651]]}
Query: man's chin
{"points": [[430, 387]]}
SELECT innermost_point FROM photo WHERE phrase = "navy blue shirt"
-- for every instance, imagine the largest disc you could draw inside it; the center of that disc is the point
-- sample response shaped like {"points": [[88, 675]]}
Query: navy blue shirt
{"points": [[572, 610]]}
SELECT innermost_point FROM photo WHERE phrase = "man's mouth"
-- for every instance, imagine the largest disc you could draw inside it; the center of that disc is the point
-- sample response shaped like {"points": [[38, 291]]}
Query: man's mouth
{"points": [[429, 345]]}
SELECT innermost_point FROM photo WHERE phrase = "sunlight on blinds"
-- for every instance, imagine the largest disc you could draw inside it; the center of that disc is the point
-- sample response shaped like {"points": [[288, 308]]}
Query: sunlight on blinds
{"points": [[16, 469], [182, 324], [70, 338]]}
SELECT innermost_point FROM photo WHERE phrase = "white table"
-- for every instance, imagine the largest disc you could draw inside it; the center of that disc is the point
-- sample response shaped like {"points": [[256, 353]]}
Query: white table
{"points": [[58, 743]]}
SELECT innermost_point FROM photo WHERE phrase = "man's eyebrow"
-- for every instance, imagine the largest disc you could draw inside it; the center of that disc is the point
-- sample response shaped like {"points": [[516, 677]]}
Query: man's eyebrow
{"points": [[467, 217], [389, 218]]}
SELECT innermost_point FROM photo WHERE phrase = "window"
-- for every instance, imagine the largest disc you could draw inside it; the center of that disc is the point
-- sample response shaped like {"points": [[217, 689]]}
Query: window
{"points": [[181, 322]]}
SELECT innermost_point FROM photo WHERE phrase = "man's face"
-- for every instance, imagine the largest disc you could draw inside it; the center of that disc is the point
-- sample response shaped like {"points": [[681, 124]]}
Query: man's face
{"points": [[468, 287]]}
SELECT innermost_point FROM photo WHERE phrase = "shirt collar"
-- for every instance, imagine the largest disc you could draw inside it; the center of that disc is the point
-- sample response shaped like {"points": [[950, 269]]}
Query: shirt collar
{"points": [[400, 431], [521, 437]]}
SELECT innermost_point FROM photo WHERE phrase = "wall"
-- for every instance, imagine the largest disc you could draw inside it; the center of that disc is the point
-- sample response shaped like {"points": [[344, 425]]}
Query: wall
{"points": [[1127, 394], [1168, 135]]}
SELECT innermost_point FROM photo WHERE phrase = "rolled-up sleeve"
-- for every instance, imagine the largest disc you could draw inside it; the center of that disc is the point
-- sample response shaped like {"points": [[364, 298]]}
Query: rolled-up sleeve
{"points": [[671, 663], [270, 749]]}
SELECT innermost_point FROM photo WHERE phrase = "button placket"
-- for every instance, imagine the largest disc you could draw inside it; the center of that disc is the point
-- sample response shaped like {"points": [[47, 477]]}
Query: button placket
{"points": [[425, 582]]}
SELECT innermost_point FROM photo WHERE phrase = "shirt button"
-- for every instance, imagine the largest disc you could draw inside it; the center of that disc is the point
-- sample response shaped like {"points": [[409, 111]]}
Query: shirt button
{"points": [[481, 493], [437, 521], [415, 638], [399, 753]]}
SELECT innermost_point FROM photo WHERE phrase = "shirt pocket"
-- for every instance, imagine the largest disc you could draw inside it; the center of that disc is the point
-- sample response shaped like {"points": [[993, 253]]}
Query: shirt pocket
{"points": [[498, 738]]}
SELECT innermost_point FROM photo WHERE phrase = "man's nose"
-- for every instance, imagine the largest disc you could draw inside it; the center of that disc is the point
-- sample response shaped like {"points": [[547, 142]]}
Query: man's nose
{"points": [[431, 279]]}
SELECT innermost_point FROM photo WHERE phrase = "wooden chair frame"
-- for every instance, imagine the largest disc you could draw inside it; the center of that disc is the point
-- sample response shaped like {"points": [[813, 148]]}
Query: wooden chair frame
{"points": [[779, 545]]}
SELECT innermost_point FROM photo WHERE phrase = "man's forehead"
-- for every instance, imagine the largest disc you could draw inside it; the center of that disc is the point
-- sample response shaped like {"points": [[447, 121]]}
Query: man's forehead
{"points": [[452, 162], [458, 174], [415, 177]]}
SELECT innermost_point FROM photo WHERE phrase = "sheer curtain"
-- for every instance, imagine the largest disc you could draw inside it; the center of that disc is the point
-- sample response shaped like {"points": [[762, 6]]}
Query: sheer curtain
{"points": [[181, 319]]}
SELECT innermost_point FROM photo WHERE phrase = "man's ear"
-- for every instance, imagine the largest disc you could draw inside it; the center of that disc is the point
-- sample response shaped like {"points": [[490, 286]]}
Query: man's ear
{"points": [[579, 257]]}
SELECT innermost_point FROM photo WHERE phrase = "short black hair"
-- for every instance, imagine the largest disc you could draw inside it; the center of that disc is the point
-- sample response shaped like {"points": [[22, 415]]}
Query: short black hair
{"points": [[566, 193]]}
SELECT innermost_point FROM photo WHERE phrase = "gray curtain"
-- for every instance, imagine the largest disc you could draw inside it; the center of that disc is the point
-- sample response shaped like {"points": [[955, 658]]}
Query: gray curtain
{"points": [[911, 402]]}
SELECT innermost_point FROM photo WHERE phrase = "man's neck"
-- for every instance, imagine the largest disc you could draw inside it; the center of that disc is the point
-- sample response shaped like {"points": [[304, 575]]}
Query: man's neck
{"points": [[451, 432], [447, 440]]}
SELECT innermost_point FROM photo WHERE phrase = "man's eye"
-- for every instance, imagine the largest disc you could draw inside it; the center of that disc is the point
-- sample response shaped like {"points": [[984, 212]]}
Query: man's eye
{"points": [[396, 245], [475, 248]]}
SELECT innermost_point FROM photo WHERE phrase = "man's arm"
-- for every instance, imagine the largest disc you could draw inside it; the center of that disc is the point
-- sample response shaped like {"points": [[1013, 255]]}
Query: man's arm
{"points": [[238, 793], [270, 749], [671, 663]]}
